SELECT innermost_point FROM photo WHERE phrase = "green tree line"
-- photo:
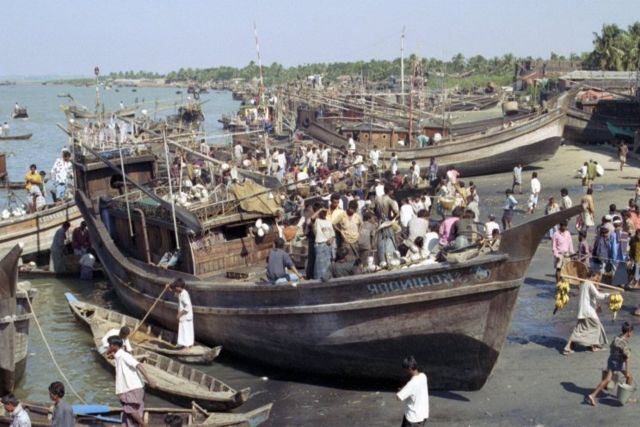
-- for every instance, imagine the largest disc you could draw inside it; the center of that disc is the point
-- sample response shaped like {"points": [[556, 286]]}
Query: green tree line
{"points": [[615, 49]]}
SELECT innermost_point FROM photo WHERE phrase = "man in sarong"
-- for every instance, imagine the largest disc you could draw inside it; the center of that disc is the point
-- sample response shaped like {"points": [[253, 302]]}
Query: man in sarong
{"points": [[186, 336], [129, 385], [588, 332]]}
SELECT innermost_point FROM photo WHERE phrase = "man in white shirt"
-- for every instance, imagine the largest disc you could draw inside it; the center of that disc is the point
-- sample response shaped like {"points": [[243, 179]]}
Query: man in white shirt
{"points": [[415, 176], [238, 151], [186, 336], [490, 226], [374, 156], [379, 188], [535, 192], [406, 213], [415, 395], [352, 145], [123, 333], [129, 385], [19, 417]]}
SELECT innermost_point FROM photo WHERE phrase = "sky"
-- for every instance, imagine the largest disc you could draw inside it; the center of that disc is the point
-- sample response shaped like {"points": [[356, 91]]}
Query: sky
{"points": [[70, 37]]}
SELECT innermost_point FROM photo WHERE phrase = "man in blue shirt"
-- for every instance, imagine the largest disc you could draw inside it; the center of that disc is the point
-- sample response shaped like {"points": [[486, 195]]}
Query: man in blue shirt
{"points": [[277, 264]]}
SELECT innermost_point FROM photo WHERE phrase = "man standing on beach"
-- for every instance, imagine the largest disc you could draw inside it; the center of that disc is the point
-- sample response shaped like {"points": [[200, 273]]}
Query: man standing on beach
{"points": [[535, 192], [508, 208], [415, 395], [562, 245], [129, 385], [623, 150], [185, 314], [517, 178]]}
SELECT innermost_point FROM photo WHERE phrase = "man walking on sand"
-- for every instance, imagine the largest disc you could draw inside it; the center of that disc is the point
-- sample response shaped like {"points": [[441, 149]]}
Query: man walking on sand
{"points": [[623, 150], [618, 361], [415, 395], [517, 178], [535, 192]]}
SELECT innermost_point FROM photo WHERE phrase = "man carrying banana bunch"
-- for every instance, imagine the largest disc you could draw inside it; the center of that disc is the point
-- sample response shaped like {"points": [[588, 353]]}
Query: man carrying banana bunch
{"points": [[589, 331]]}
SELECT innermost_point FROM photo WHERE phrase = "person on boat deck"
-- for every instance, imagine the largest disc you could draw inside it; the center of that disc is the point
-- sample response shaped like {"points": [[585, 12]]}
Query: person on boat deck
{"points": [[185, 314], [62, 411], [19, 417], [59, 247], [80, 239], [589, 331], [16, 108], [38, 201], [415, 395], [129, 385], [60, 174], [5, 128], [123, 333], [278, 262], [32, 177], [342, 266], [324, 244]]}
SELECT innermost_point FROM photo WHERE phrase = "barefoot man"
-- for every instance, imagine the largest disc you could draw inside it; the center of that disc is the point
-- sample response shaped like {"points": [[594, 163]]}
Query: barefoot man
{"points": [[185, 314]]}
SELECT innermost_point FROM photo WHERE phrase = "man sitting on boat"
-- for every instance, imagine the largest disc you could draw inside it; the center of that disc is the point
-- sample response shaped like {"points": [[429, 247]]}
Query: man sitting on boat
{"points": [[123, 333], [80, 239], [342, 266], [186, 337], [278, 262]]}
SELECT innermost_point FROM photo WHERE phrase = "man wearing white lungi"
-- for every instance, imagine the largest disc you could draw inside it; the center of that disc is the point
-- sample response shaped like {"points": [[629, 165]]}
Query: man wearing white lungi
{"points": [[185, 314]]}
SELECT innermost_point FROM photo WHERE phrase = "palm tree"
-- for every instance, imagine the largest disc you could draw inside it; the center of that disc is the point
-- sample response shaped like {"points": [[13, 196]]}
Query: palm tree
{"points": [[608, 49]]}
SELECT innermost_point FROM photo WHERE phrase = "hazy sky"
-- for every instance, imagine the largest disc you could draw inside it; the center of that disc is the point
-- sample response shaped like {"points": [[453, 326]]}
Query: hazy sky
{"points": [[69, 37]]}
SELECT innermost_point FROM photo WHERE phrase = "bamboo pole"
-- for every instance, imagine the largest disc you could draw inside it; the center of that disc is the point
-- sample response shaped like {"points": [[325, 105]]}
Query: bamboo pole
{"points": [[602, 285]]}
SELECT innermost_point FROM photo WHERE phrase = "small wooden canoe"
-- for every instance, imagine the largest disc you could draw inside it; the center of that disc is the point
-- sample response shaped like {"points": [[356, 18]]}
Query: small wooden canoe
{"points": [[103, 415], [16, 137], [148, 337]]}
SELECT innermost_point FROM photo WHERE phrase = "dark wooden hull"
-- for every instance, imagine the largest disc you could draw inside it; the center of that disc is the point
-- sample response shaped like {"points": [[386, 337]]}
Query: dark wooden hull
{"points": [[452, 318], [593, 128], [481, 153], [14, 324]]}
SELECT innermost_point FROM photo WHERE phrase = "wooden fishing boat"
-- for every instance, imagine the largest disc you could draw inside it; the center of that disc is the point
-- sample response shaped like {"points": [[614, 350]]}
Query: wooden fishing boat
{"points": [[16, 137], [36, 230], [76, 112], [173, 381], [452, 317], [598, 124], [15, 316], [20, 113], [103, 415], [494, 150], [149, 337]]}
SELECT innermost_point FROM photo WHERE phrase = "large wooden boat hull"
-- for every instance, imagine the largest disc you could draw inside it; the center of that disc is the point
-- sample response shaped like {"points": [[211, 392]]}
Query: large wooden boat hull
{"points": [[483, 153], [452, 317], [585, 127], [36, 230], [14, 323]]}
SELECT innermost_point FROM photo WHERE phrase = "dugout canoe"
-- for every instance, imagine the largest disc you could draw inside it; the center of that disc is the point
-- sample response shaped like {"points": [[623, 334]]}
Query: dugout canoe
{"points": [[178, 383], [147, 336], [104, 415], [15, 316], [16, 137]]}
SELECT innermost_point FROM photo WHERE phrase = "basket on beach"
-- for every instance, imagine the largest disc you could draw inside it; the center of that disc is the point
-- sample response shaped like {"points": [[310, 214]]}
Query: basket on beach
{"points": [[576, 269], [447, 202]]}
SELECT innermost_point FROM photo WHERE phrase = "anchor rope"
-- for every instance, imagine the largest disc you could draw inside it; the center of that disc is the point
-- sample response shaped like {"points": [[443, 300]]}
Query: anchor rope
{"points": [[55, 362]]}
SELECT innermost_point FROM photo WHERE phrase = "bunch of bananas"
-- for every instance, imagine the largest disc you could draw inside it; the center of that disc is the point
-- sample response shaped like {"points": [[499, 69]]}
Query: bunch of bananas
{"points": [[615, 304], [562, 295]]}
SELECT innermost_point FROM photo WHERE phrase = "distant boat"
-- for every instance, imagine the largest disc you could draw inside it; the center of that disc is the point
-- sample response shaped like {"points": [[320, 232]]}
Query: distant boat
{"points": [[15, 137], [20, 113]]}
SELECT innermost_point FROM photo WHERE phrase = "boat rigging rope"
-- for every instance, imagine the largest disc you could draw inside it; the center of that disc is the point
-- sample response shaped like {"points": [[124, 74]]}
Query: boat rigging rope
{"points": [[55, 362]]}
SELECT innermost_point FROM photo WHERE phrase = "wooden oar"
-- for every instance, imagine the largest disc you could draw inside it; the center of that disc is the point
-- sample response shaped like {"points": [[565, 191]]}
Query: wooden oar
{"points": [[150, 310], [603, 285]]}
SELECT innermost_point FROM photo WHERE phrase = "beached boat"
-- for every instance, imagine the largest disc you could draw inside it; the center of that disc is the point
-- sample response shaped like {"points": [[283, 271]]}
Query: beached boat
{"points": [[15, 315], [603, 121], [103, 415], [36, 230], [491, 150], [453, 317], [173, 381], [149, 337], [16, 137]]}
